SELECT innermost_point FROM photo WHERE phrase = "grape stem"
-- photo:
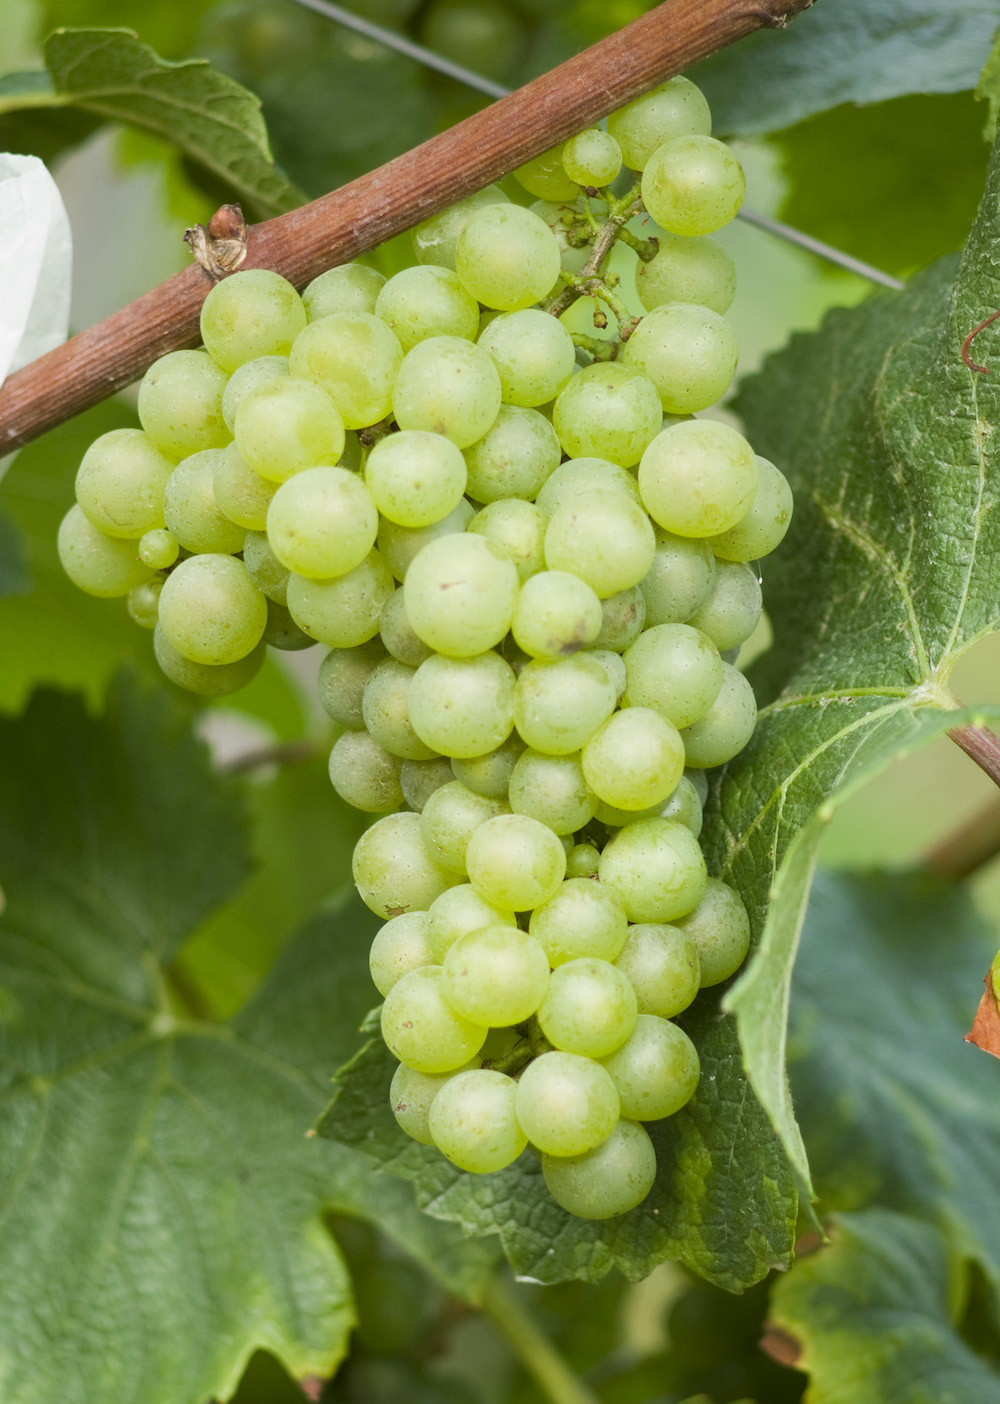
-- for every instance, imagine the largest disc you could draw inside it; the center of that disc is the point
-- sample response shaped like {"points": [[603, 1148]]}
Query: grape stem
{"points": [[981, 745], [337, 227], [973, 844], [532, 1347], [589, 282]]}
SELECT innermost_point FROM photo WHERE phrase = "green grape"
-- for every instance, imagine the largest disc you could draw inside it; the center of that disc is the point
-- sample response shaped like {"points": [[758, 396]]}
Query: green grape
{"points": [[286, 425], [343, 612], [180, 403], [490, 772], [693, 185], [612, 1178], [246, 378], [120, 483], [603, 537], [726, 727], [517, 528], [685, 806], [343, 676], [497, 975], [191, 511], [385, 707], [459, 911], [589, 1008], [731, 612], [674, 669], [592, 158], [614, 666], [533, 353], [435, 239], [507, 257], [719, 929], [582, 861], [545, 177], [607, 411], [655, 869], [211, 611], [352, 287], [420, 778], [676, 108], [656, 1069], [354, 357], [415, 477], [250, 314], [397, 633], [515, 456], [699, 780], [241, 495], [395, 872], [622, 618], [679, 579], [635, 760], [399, 545], [427, 301], [463, 707], [582, 475], [449, 819], [515, 862], [662, 965], [448, 386], [97, 564], [688, 352], [480, 34], [583, 919], [552, 790], [364, 774], [281, 630], [266, 571], [566, 1104], [411, 1094], [472, 1121], [206, 679], [556, 614], [558, 706], [698, 478], [158, 549], [322, 522], [460, 593], [401, 945], [763, 527], [687, 270], [143, 603], [420, 1027]]}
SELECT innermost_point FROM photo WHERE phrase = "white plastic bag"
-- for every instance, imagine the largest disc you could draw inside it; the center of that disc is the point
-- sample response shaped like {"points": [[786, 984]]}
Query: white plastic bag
{"points": [[35, 262]]}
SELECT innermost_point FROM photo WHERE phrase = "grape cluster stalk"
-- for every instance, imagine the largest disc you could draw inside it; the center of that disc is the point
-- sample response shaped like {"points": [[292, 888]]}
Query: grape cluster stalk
{"points": [[488, 489]]}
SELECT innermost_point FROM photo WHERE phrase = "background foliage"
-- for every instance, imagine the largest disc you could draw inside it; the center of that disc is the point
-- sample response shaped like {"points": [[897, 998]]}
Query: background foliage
{"points": [[181, 964]]}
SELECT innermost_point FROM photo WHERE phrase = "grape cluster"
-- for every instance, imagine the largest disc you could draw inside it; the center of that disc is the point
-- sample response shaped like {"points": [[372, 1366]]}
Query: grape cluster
{"points": [[529, 561]]}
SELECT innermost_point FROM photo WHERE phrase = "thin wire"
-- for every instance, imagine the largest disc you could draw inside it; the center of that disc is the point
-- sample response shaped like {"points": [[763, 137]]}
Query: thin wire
{"points": [[391, 39]]}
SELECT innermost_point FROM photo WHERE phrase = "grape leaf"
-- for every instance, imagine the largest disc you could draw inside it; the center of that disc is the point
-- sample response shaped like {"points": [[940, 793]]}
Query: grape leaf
{"points": [[156, 1184], [895, 1108], [888, 575], [851, 51], [722, 1202], [215, 121], [873, 1315]]}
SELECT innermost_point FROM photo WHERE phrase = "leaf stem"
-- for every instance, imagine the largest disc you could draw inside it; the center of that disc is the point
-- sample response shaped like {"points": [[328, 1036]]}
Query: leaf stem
{"points": [[970, 847], [532, 1347], [981, 745]]}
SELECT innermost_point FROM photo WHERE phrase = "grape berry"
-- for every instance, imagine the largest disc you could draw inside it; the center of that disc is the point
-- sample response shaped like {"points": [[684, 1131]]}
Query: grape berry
{"points": [[527, 559]]}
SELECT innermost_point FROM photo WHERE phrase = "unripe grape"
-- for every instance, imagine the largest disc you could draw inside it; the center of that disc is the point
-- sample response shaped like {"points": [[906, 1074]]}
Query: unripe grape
{"points": [[592, 158], [719, 928], [566, 1103], [607, 411], [401, 945], [97, 564], [395, 871], [427, 301], [463, 707], [351, 287], [249, 314], [415, 477], [120, 483], [545, 176], [180, 403], [419, 1025], [614, 1177], [763, 526], [515, 862], [211, 611], [507, 257], [698, 478], [693, 185], [460, 593], [364, 774], [517, 528], [472, 1121], [676, 108], [449, 386], [434, 240], [322, 522]]}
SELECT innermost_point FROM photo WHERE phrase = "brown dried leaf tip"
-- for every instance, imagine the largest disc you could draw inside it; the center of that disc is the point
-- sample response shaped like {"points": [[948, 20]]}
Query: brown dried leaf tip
{"points": [[781, 1345], [985, 1031], [219, 246]]}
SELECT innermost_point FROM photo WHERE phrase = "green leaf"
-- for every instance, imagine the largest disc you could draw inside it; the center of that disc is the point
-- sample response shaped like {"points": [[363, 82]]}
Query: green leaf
{"points": [[874, 1313], [157, 1183], [988, 88], [851, 51], [722, 1202], [15, 575], [216, 122], [896, 1109], [887, 577]]}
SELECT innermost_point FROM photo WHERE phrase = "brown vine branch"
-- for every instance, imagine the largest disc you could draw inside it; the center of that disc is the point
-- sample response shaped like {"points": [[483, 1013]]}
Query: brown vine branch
{"points": [[357, 217]]}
